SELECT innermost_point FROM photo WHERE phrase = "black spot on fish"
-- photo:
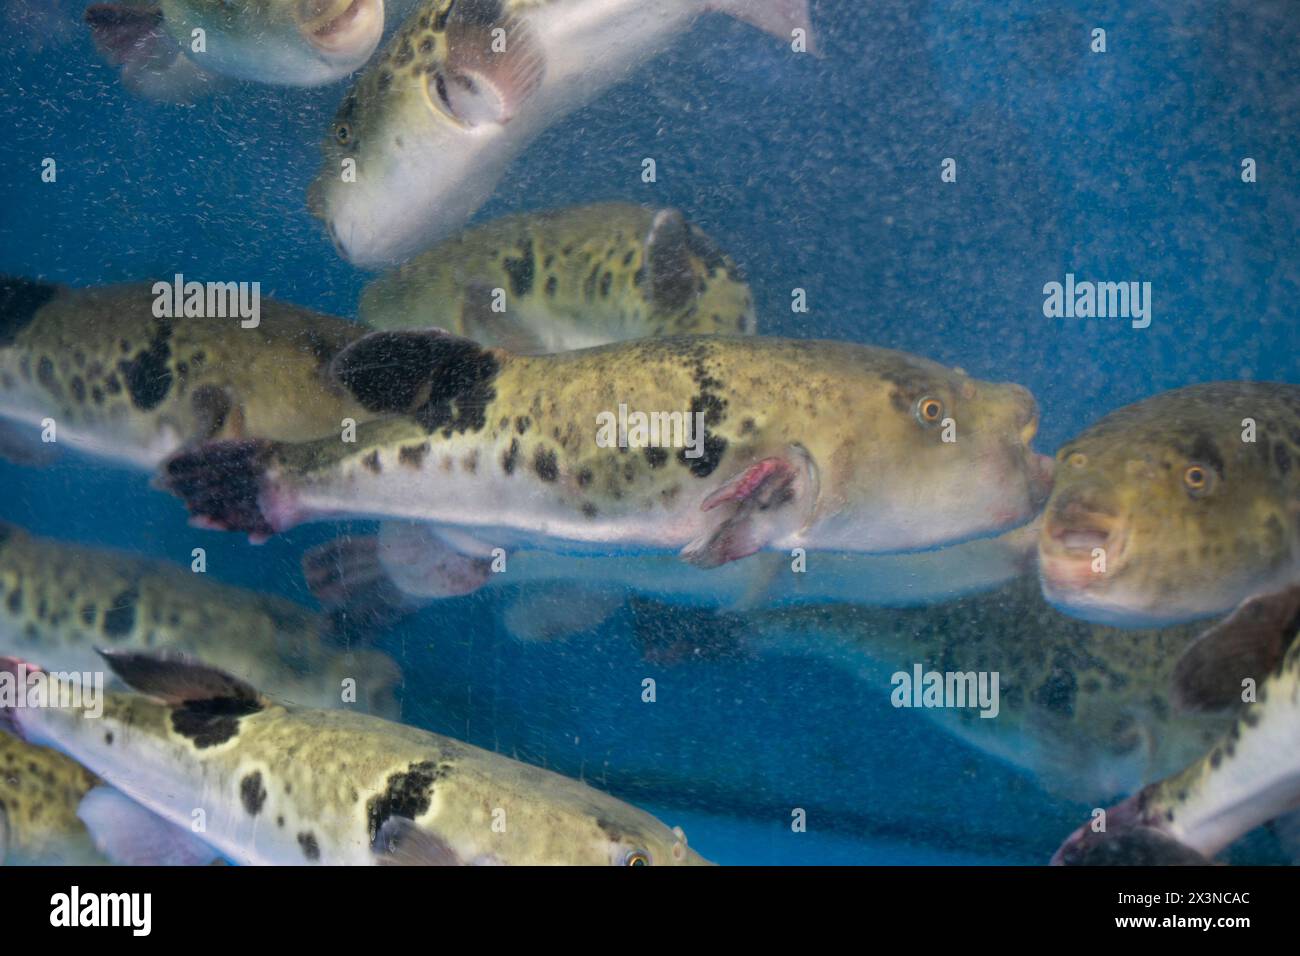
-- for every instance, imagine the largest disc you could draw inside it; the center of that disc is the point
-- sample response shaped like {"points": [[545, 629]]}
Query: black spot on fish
{"points": [[279, 822], [522, 424], [211, 721], [407, 795], [589, 509], [15, 601], [310, 848], [715, 447], [510, 457], [147, 374], [108, 738], [252, 794], [552, 286], [584, 478], [655, 457], [45, 375], [413, 455], [113, 386], [521, 271], [78, 388], [546, 464], [20, 300], [606, 282], [119, 619], [389, 372], [371, 462], [97, 395], [1057, 693], [1281, 457]]}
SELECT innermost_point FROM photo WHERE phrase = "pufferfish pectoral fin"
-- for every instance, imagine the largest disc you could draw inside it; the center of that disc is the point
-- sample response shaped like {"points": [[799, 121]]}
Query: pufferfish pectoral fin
{"points": [[1249, 643], [130, 835], [494, 63], [668, 256], [769, 499], [400, 842]]}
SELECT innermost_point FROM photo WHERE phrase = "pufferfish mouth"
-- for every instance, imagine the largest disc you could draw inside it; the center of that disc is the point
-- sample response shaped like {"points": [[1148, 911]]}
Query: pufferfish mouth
{"points": [[341, 26], [1072, 537]]}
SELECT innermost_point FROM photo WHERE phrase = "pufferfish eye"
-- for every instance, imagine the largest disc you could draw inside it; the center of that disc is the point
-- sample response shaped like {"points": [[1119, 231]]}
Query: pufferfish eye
{"points": [[1076, 459], [342, 134], [929, 410], [636, 858], [1198, 480]]}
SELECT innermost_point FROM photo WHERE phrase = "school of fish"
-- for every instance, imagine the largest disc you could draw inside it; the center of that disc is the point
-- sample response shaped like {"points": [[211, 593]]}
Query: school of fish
{"points": [[567, 412]]}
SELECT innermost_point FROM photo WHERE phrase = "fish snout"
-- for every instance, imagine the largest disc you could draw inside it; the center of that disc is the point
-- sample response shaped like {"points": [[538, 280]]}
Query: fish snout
{"points": [[1076, 526], [341, 27]]}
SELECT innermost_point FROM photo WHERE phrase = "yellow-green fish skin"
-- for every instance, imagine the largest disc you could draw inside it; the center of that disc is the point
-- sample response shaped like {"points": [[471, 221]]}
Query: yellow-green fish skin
{"points": [[1192, 497], [569, 278], [290, 786], [120, 383], [40, 790], [61, 601]]}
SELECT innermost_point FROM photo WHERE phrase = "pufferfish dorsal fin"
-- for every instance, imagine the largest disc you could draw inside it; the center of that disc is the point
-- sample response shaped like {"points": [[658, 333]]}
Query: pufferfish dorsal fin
{"points": [[668, 262], [494, 63], [177, 678], [1250, 642]]}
